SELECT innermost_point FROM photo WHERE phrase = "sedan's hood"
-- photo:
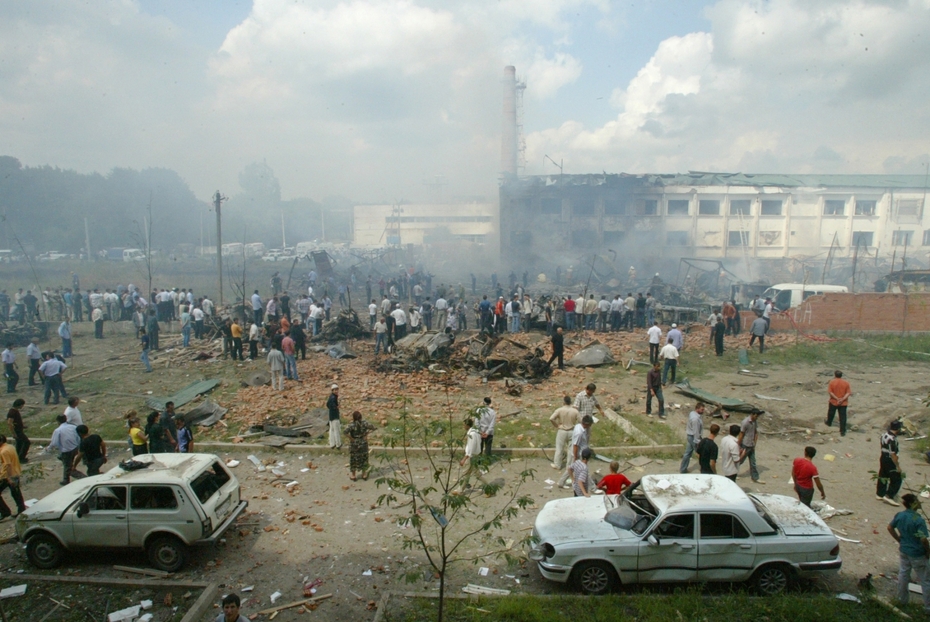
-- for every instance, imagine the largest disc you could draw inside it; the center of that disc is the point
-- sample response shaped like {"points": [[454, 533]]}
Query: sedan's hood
{"points": [[576, 519], [794, 518]]}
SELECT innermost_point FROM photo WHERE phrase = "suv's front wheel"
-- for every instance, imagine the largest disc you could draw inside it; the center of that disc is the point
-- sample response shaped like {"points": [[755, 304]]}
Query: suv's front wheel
{"points": [[166, 553], [44, 551]]}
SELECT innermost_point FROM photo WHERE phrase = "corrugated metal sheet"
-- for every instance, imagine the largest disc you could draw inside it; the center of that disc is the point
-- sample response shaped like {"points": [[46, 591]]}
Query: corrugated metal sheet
{"points": [[183, 396]]}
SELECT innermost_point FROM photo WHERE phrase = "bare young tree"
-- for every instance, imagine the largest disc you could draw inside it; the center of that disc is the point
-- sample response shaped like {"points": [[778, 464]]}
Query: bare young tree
{"points": [[437, 509]]}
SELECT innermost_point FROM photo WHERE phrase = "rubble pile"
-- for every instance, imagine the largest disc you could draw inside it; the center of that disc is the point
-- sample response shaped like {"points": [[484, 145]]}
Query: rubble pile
{"points": [[21, 334], [344, 326]]}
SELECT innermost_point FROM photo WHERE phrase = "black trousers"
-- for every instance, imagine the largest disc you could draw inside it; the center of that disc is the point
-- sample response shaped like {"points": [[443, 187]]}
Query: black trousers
{"points": [[22, 445], [33, 370], [15, 492], [653, 352], [253, 349], [237, 348], [556, 355], [761, 339], [832, 409], [486, 443], [889, 478], [12, 378]]}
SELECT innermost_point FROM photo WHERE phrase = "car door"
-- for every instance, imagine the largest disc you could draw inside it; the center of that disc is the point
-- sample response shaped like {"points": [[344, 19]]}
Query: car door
{"points": [[669, 551], [105, 522], [156, 505], [726, 549]]}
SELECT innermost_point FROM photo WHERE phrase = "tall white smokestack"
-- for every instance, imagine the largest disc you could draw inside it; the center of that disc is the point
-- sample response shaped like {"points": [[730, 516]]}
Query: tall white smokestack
{"points": [[509, 123]]}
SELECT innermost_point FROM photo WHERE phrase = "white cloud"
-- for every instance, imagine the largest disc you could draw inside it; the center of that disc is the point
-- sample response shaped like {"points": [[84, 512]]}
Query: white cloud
{"points": [[774, 84]]}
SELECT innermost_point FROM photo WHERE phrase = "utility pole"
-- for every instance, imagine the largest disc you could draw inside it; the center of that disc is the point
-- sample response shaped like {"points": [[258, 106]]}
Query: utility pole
{"points": [[217, 205], [87, 240]]}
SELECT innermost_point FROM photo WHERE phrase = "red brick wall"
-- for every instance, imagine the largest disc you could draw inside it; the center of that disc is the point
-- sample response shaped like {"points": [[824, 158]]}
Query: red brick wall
{"points": [[855, 312]]}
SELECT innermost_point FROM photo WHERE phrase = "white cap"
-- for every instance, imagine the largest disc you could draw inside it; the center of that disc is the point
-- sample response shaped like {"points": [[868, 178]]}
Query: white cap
{"points": [[335, 386], [674, 325]]}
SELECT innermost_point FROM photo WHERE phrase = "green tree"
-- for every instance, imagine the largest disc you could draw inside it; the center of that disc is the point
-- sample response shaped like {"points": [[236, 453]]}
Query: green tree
{"points": [[437, 509]]}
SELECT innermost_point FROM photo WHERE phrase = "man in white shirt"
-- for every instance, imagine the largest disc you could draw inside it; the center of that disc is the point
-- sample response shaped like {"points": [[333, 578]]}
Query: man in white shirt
{"points": [[486, 421], [257, 307], [414, 319], [730, 453], [316, 316], [670, 353], [581, 440], [616, 313], [579, 312], [198, 316], [35, 358], [677, 338], [603, 311], [51, 369], [386, 305], [72, 412], [442, 308], [372, 314], [207, 306], [9, 369], [693, 432], [400, 323], [472, 442], [655, 339], [255, 334]]}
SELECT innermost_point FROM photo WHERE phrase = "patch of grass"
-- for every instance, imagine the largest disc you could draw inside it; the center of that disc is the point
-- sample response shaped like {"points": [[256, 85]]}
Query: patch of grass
{"points": [[672, 607]]}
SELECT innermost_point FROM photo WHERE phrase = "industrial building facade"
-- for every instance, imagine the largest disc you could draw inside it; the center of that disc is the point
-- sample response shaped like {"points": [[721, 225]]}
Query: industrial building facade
{"points": [[716, 215], [402, 224]]}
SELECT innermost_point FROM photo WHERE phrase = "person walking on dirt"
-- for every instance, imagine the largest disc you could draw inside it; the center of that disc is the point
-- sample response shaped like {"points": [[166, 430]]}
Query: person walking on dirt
{"points": [[487, 418], [719, 330], [730, 453], [654, 389], [9, 368], [144, 357], [10, 472], [693, 433], [335, 425], [748, 437], [839, 391], [15, 420], [889, 469], [805, 475], [909, 530], [670, 354], [35, 359], [51, 369], [564, 420], [276, 364], [757, 331], [707, 451], [558, 348]]}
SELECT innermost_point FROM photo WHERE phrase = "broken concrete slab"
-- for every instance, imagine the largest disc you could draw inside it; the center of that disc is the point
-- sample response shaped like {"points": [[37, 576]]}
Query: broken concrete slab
{"points": [[425, 347], [627, 427], [594, 354], [727, 403], [206, 414], [639, 461], [185, 395], [340, 351]]}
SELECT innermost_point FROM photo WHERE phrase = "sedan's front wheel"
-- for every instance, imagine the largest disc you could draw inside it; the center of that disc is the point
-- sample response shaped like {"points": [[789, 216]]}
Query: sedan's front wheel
{"points": [[772, 580], [44, 551], [595, 577]]}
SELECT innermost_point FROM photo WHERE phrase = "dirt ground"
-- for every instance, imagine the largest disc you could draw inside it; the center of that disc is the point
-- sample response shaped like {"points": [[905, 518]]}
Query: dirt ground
{"points": [[347, 533]]}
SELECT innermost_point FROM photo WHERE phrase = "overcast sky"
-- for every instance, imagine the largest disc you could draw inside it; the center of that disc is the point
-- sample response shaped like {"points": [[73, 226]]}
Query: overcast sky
{"points": [[372, 98]]}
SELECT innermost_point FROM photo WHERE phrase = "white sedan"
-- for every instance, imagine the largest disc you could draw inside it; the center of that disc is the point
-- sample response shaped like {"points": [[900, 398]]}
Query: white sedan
{"points": [[681, 528]]}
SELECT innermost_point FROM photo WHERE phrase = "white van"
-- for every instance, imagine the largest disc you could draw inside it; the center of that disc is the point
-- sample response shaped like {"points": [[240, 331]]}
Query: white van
{"points": [[133, 254], [787, 295]]}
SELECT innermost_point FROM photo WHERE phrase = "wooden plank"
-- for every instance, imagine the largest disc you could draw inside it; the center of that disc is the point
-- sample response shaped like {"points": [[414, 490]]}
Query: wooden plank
{"points": [[202, 604], [296, 603], [109, 581], [147, 571]]}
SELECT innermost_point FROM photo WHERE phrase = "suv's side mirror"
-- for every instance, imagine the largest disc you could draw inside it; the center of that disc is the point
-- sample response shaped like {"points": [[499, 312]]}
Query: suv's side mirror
{"points": [[83, 509], [653, 540]]}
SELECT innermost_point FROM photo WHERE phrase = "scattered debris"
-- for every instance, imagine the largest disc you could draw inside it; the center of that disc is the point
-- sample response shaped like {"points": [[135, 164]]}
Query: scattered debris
{"points": [[480, 590], [594, 354], [185, 395], [728, 403]]}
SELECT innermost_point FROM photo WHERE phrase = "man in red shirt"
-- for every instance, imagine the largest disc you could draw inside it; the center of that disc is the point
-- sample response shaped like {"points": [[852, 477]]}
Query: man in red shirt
{"points": [[805, 475], [614, 483], [569, 307], [839, 399]]}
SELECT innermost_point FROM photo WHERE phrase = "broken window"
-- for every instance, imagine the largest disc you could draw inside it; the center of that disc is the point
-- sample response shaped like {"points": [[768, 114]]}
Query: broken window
{"points": [[615, 207], [910, 207], [901, 238], [772, 207], [651, 208], [865, 208], [770, 238], [584, 238], [551, 206], [926, 237], [834, 207], [738, 238], [676, 238], [707, 207], [678, 207], [862, 238], [583, 207], [740, 207], [612, 237]]}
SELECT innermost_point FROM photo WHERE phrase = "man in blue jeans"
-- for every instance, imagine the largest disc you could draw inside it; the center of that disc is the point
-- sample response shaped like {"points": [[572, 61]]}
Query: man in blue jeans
{"points": [[693, 435], [670, 353], [910, 531]]}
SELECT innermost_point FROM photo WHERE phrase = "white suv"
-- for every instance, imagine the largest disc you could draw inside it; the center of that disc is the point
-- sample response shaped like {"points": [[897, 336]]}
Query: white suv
{"points": [[176, 501]]}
